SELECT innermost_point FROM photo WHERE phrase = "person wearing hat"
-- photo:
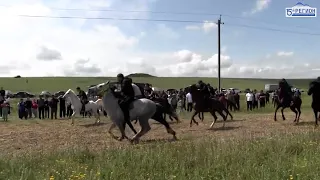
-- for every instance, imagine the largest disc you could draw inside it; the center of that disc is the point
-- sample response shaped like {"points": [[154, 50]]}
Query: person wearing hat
{"points": [[83, 98], [126, 98]]}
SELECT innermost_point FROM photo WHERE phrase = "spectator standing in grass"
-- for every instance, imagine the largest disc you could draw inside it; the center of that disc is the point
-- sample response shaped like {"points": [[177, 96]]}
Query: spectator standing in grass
{"points": [[35, 108], [28, 104], [5, 109], [237, 100], [262, 99], [54, 107], [249, 99], [46, 108], [2, 98], [22, 110], [189, 102], [267, 97], [41, 107], [256, 98], [62, 111]]}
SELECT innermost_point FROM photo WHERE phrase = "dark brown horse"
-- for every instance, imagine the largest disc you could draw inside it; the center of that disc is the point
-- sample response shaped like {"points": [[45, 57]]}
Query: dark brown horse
{"points": [[203, 104], [286, 100], [228, 102], [167, 108], [314, 90]]}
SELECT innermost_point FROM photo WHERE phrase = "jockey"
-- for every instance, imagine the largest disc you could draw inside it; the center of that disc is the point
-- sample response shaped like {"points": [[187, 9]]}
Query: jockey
{"points": [[83, 98], [285, 90], [127, 96], [211, 90], [120, 78], [205, 91]]}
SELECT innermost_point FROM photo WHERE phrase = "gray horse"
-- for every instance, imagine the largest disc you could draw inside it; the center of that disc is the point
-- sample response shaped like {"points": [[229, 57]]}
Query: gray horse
{"points": [[141, 109]]}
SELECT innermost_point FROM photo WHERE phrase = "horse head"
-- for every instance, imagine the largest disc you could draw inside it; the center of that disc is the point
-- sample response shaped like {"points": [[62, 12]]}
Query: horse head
{"points": [[313, 87], [105, 88], [68, 93]]}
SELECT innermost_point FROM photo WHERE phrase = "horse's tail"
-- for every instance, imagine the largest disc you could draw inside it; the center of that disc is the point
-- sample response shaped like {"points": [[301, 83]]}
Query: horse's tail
{"points": [[167, 110]]}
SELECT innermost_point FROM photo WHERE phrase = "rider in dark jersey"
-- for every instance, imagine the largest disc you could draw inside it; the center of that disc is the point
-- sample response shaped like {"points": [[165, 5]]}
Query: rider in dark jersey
{"points": [[83, 98]]}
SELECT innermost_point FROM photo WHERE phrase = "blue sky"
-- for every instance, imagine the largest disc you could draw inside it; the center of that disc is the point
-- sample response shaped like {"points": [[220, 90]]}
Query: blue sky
{"points": [[163, 48]]}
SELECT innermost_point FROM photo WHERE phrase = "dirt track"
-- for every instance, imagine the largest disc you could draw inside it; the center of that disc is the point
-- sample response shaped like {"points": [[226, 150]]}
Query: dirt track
{"points": [[25, 136]]}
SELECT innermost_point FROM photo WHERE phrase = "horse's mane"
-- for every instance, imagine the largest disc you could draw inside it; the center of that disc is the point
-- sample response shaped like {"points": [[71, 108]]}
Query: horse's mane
{"points": [[70, 90]]}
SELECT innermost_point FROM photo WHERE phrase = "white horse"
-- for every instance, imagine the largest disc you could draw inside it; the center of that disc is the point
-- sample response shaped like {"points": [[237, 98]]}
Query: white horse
{"points": [[141, 109], [91, 106]]}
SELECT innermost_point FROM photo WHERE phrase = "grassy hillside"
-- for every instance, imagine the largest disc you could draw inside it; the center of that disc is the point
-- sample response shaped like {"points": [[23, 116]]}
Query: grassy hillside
{"points": [[36, 85]]}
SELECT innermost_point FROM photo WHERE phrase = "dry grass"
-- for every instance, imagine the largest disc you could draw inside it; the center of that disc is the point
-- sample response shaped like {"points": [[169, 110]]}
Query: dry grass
{"points": [[25, 136]]}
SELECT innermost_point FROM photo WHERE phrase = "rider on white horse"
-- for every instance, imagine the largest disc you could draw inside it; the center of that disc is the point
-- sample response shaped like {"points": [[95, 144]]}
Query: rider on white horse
{"points": [[83, 98], [126, 97]]}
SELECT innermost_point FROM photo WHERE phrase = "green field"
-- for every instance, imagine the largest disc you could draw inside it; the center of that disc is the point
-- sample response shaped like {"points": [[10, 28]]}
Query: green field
{"points": [[36, 85], [252, 147]]}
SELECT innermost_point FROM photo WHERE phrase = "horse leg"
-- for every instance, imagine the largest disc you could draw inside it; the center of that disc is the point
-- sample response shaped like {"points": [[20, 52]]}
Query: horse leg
{"points": [[145, 127], [283, 118], [228, 113], [223, 116], [192, 118], [299, 111], [202, 116], [293, 109], [275, 112], [123, 134], [316, 117], [72, 117], [214, 119], [110, 131], [159, 118]]}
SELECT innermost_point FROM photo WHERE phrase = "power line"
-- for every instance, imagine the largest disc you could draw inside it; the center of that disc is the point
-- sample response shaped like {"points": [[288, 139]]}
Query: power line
{"points": [[128, 11], [167, 20], [170, 12], [273, 29], [110, 18]]}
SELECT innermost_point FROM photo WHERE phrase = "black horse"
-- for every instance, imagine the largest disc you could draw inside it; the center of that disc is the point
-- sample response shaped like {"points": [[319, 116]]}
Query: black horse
{"points": [[314, 90], [203, 104], [229, 103], [286, 100]]}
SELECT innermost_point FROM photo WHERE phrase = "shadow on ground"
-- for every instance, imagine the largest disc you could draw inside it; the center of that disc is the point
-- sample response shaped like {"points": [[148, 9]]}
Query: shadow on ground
{"points": [[93, 125], [227, 128]]}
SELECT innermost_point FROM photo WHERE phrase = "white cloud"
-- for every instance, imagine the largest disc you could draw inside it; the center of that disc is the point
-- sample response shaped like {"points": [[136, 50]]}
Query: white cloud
{"points": [[101, 48], [260, 5], [284, 53], [47, 54], [207, 26]]}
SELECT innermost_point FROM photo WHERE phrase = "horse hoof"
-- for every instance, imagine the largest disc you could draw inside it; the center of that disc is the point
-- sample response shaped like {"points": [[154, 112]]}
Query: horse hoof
{"points": [[197, 123], [134, 141]]}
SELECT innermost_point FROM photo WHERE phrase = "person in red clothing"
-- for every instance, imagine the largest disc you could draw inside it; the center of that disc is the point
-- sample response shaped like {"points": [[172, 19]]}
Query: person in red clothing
{"points": [[34, 108], [222, 99]]}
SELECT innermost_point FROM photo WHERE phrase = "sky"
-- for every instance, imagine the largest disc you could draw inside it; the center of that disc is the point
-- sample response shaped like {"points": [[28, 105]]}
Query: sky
{"points": [[257, 40]]}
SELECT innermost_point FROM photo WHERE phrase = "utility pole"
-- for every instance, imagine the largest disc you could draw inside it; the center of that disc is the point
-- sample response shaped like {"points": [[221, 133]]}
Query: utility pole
{"points": [[219, 53]]}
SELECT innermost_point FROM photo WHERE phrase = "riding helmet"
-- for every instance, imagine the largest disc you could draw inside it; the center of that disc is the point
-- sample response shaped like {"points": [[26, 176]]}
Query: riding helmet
{"points": [[78, 88], [120, 75]]}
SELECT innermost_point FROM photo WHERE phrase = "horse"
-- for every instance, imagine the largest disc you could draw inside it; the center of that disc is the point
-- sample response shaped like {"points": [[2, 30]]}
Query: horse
{"points": [[142, 109], [76, 106], [213, 105], [314, 90], [293, 102], [167, 108]]}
